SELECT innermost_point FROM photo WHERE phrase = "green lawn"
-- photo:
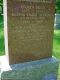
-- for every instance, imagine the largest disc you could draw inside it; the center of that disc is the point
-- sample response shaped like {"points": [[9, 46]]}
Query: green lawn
{"points": [[1, 36], [56, 43], [56, 40]]}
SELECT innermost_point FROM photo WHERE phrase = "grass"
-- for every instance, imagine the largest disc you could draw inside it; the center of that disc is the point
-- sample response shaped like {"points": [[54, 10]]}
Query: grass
{"points": [[1, 36], [56, 40], [56, 43]]}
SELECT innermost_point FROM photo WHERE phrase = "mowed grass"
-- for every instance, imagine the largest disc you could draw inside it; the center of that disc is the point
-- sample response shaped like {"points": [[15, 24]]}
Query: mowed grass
{"points": [[1, 36], [56, 40], [56, 43]]}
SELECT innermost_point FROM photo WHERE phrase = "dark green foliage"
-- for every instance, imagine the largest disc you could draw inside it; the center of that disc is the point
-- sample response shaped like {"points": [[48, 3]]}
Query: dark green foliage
{"points": [[1, 7], [1, 36], [1, 1], [57, 6]]}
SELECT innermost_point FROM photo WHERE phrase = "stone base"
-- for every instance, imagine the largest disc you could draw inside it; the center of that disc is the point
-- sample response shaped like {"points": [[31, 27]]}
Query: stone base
{"points": [[44, 69]]}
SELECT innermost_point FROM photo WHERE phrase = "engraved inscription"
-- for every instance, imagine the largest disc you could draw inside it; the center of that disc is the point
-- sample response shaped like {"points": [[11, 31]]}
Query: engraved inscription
{"points": [[30, 10], [30, 29]]}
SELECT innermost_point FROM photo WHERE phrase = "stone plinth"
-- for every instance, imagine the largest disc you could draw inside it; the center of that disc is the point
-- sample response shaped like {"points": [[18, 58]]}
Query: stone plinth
{"points": [[44, 69]]}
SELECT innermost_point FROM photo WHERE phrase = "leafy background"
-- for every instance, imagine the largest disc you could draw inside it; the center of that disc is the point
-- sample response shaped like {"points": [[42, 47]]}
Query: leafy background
{"points": [[57, 8], [56, 39]]}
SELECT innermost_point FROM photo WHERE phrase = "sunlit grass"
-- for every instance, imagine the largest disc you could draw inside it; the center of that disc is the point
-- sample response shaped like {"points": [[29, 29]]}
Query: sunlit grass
{"points": [[56, 43]]}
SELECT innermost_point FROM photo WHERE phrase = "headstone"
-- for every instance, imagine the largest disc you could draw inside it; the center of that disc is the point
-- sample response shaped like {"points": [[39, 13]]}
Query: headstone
{"points": [[30, 29], [57, 21]]}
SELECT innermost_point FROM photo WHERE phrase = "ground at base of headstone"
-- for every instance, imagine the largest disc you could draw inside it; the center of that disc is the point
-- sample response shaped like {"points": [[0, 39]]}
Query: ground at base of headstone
{"points": [[44, 69]]}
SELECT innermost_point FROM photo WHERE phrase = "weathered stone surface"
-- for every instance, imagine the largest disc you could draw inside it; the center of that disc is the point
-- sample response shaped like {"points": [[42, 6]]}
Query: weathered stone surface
{"points": [[57, 21], [30, 29], [44, 69]]}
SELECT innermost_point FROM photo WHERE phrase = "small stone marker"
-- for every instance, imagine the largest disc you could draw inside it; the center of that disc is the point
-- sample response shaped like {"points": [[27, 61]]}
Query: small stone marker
{"points": [[30, 26]]}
